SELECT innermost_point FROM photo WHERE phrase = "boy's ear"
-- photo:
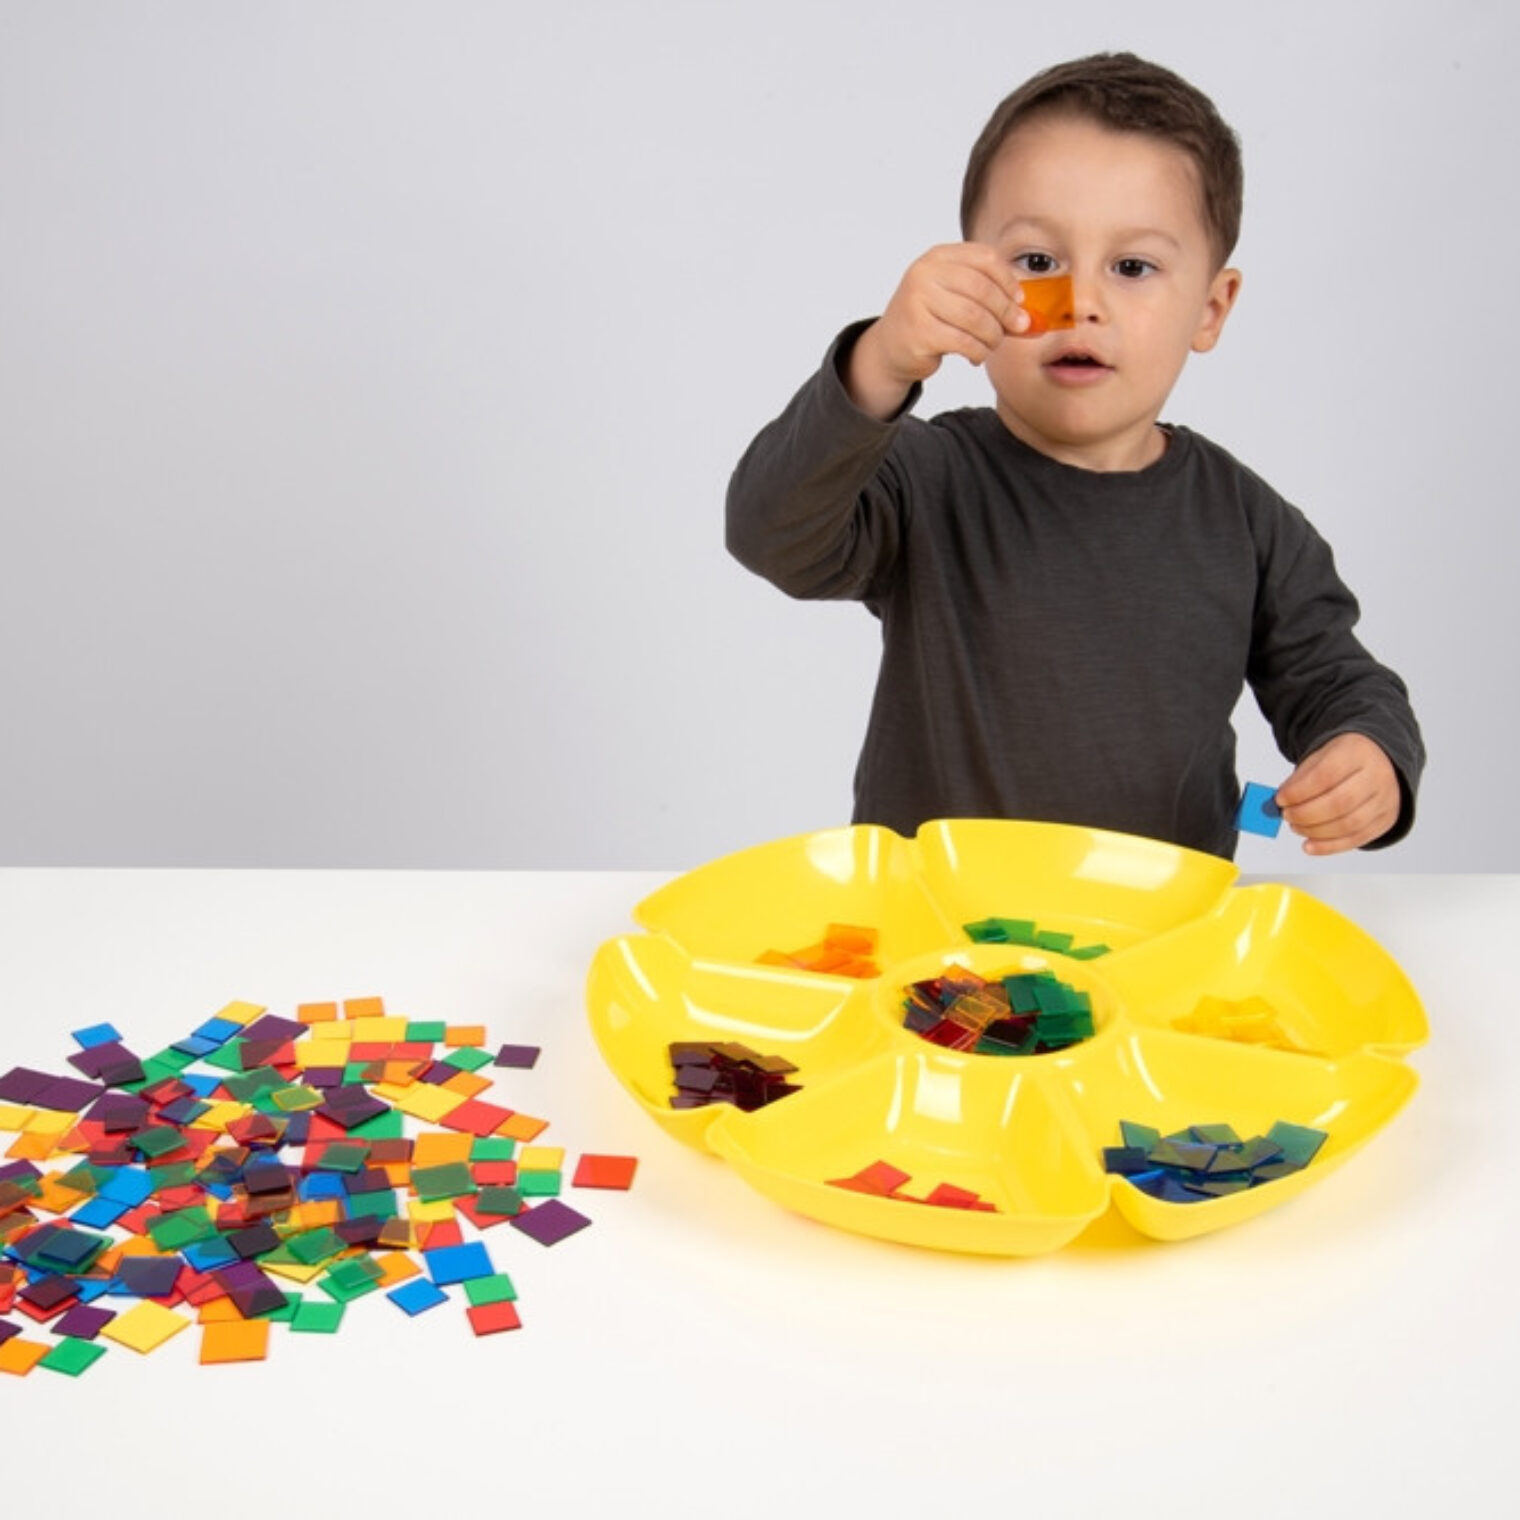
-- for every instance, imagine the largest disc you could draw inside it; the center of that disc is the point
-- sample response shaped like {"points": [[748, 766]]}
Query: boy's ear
{"points": [[1223, 290]]}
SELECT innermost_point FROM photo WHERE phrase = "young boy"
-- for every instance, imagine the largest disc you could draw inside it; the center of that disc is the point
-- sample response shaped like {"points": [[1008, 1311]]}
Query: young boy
{"points": [[1071, 592]]}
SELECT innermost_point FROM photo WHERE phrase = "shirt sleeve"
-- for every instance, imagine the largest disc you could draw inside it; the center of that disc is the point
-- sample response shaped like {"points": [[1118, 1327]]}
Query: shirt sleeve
{"points": [[1311, 675], [816, 505]]}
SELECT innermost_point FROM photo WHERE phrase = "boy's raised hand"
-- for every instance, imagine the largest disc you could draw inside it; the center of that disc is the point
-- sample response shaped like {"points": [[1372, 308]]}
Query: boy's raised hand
{"points": [[959, 298], [1344, 795]]}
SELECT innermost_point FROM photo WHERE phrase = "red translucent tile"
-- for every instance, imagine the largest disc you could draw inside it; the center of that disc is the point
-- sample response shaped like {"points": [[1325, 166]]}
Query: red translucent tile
{"points": [[489, 1319]]}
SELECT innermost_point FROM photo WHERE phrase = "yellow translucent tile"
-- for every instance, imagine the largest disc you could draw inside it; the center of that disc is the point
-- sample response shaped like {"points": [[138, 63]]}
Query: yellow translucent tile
{"points": [[435, 1212], [45, 1122], [439, 1148], [145, 1327], [316, 1053], [291, 1271], [424, 1101], [468, 1084], [14, 1117], [541, 1158], [395, 1267], [241, 1013], [219, 1116], [378, 1031]]}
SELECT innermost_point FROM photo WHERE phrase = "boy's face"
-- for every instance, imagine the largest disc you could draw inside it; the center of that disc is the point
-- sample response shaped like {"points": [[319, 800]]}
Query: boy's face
{"points": [[1121, 213]]}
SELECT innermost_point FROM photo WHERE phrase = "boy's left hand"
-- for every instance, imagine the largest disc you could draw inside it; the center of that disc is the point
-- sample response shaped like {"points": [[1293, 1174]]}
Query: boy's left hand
{"points": [[1344, 795]]}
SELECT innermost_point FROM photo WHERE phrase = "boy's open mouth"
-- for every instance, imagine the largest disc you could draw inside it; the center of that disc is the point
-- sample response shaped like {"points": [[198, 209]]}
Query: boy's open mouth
{"points": [[1077, 360]]}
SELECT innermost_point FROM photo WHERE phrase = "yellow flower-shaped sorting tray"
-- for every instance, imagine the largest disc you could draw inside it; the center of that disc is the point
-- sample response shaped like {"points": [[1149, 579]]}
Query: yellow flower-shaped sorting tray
{"points": [[1024, 1133]]}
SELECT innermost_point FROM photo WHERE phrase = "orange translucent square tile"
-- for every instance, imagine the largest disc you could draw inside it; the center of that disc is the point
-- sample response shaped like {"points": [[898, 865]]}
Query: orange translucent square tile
{"points": [[435, 1148], [1049, 302], [316, 1013], [243, 1340], [523, 1127], [18, 1356], [464, 1034], [364, 1008]]}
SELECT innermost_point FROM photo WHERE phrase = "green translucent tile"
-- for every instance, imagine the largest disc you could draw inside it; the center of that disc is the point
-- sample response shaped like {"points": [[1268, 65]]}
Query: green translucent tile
{"points": [[83, 1178], [1087, 952], [1215, 1134], [468, 1058], [283, 1256], [245, 1086], [286, 1311], [428, 1031], [296, 1099], [154, 1070], [1258, 1150], [345, 1292], [172, 1232], [342, 1156], [356, 1270], [228, 1057], [1299, 1143], [314, 1317], [386, 1126], [317, 1245], [538, 1184], [493, 1148], [380, 1205], [1048, 939], [499, 1200], [451, 1180], [173, 1174], [495, 1289], [175, 1060], [158, 1141], [353, 1073], [72, 1356]]}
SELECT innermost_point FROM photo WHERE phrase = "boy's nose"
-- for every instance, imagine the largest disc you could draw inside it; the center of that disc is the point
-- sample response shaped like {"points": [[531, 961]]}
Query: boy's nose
{"points": [[1086, 300]]}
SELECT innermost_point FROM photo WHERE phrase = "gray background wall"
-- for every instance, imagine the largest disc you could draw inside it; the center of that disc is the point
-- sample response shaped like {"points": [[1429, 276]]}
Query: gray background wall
{"points": [[371, 372]]}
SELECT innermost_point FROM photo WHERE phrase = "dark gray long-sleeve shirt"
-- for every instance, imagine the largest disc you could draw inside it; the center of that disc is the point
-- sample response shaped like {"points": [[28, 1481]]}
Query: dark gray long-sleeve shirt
{"points": [[1059, 643]]}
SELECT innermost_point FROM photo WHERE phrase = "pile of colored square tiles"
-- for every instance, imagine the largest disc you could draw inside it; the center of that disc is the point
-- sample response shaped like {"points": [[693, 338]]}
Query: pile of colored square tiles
{"points": [[1208, 1160], [1025, 931], [883, 1180], [1251, 1021], [727, 1072], [1021, 1014], [844, 950], [179, 1190]]}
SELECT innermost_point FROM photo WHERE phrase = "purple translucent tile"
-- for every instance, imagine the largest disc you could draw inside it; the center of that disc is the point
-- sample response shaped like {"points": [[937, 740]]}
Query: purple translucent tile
{"points": [[94, 1060], [519, 1056], [66, 1095], [353, 1112], [49, 1292], [549, 1222], [359, 1232], [323, 1076], [120, 1112], [149, 1276], [20, 1084], [438, 1073], [83, 1320], [240, 1274], [277, 1030], [7, 1330], [256, 1053], [19, 1171]]}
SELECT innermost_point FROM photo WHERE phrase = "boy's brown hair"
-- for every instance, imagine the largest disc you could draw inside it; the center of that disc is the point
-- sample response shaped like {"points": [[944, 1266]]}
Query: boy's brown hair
{"points": [[1125, 94]]}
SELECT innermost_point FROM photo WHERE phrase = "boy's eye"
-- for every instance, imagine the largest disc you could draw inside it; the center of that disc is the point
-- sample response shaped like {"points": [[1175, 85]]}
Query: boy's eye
{"points": [[1134, 269], [1035, 263]]}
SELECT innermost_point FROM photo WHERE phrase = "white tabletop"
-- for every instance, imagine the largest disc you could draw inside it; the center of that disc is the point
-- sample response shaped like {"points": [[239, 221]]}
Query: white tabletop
{"points": [[1353, 1352]]}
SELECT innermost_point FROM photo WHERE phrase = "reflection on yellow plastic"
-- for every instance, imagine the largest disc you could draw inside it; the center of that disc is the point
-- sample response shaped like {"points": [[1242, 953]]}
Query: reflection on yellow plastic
{"points": [[1026, 1135], [1050, 304]]}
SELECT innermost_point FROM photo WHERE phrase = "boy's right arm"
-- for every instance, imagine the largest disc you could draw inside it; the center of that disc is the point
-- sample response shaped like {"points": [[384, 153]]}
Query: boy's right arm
{"points": [[815, 505], [959, 298]]}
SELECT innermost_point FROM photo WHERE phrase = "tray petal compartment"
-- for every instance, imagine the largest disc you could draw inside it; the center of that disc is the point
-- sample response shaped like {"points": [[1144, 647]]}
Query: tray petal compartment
{"points": [[1106, 888], [974, 1122], [1172, 1081], [646, 992], [780, 896], [1328, 984]]}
